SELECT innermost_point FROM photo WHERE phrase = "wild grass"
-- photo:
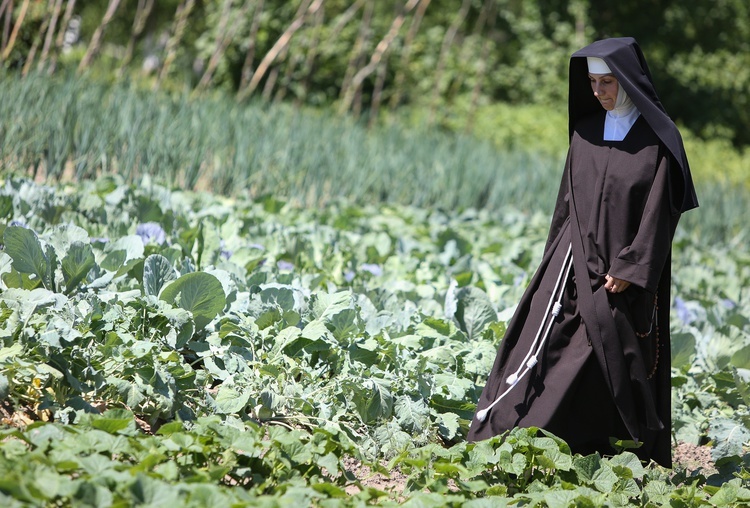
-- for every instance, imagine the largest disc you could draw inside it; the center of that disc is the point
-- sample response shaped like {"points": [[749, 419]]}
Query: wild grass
{"points": [[76, 128]]}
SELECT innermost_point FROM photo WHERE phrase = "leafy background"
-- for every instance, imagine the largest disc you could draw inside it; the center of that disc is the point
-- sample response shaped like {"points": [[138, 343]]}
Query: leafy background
{"points": [[186, 345], [258, 252]]}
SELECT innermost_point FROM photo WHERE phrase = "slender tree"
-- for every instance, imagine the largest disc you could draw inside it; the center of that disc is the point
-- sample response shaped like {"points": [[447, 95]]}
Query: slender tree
{"points": [[357, 55], [398, 82], [491, 13], [60, 40], [224, 38], [96, 39], [16, 28], [312, 53], [377, 56], [178, 29], [50, 34], [445, 48], [38, 38], [6, 8], [282, 43], [247, 66], [142, 13]]}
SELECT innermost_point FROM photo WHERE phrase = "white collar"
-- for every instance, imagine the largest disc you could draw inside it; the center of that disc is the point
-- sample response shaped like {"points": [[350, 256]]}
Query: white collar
{"points": [[618, 121]]}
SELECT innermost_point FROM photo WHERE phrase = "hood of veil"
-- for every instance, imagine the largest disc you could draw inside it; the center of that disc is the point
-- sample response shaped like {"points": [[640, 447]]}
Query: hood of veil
{"points": [[627, 63]]}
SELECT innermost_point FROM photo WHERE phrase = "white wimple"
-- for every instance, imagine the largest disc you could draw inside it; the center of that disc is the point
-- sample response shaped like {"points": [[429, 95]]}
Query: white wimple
{"points": [[530, 360]]}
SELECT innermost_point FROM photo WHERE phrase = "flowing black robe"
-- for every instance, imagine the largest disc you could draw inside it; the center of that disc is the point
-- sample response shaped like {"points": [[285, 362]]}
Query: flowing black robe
{"points": [[605, 369]]}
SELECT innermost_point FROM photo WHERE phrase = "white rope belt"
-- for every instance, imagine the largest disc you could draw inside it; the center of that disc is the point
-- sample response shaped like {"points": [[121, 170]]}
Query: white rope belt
{"points": [[530, 360]]}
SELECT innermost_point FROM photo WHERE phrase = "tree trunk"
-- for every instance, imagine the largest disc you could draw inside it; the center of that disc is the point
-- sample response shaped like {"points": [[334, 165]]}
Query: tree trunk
{"points": [[450, 35], [50, 34], [6, 8], [398, 82], [59, 41], [491, 15], [142, 13], [96, 39], [357, 55], [345, 18], [312, 53], [16, 28], [281, 43], [247, 65], [180, 21], [37, 41], [377, 56], [224, 38], [377, 91]]}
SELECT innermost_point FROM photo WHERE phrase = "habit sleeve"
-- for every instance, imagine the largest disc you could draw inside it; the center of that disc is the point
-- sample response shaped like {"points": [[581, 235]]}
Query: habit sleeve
{"points": [[641, 263]]}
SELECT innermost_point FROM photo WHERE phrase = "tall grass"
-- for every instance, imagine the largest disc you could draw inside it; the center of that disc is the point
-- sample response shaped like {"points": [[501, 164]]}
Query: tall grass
{"points": [[76, 128]]}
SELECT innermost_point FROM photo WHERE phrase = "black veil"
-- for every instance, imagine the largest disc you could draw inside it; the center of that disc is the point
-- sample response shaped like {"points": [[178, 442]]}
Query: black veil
{"points": [[627, 63]]}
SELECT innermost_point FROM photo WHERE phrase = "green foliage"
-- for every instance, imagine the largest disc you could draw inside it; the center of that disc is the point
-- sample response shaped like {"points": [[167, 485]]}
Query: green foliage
{"points": [[514, 156], [308, 337], [500, 51]]}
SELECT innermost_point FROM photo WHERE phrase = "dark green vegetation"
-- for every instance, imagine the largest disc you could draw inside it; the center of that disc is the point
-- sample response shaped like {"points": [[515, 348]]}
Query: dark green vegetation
{"points": [[263, 344], [449, 58]]}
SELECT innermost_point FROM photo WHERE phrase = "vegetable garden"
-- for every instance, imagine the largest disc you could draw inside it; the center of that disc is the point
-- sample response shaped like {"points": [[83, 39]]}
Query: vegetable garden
{"points": [[163, 346]]}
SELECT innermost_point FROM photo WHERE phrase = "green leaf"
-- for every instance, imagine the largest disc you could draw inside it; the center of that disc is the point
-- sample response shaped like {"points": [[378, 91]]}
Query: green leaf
{"points": [[324, 305], [230, 401], [741, 359], [728, 437], [412, 415], [77, 263], [198, 292], [374, 401], [157, 271], [631, 461], [474, 311], [24, 247], [683, 349], [113, 421]]}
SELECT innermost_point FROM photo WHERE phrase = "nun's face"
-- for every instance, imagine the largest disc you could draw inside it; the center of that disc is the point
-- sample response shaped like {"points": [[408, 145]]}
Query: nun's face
{"points": [[605, 89]]}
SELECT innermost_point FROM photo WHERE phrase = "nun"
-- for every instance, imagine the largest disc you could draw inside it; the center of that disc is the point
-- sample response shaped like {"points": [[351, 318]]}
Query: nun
{"points": [[586, 355]]}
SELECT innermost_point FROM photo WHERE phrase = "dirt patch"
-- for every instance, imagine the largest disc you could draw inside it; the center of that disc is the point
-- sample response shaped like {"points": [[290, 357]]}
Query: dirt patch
{"points": [[692, 457]]}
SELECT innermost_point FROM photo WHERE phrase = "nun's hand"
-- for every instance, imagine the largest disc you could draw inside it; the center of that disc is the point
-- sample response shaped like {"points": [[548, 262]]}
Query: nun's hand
{"points": [[615, 285]]}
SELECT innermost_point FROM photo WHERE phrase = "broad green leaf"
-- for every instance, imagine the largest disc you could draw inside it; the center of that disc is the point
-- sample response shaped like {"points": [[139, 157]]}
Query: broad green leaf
{"points": [[741, 358], [326, 305], [474, 311], [586, 467], [64, 235], [412, 415], [229, 400], [604, 478], [157, 271], [113, 421], [278, 294], [24, 247], [374, 400], [198, 292], [77, 263], [448, 425], [728, 437], [631, 461], [151, 492], [683, 349]]}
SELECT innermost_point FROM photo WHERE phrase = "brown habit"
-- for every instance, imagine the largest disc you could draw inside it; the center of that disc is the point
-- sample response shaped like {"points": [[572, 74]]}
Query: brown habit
{"points": [[597, 377], [602, 367]]}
